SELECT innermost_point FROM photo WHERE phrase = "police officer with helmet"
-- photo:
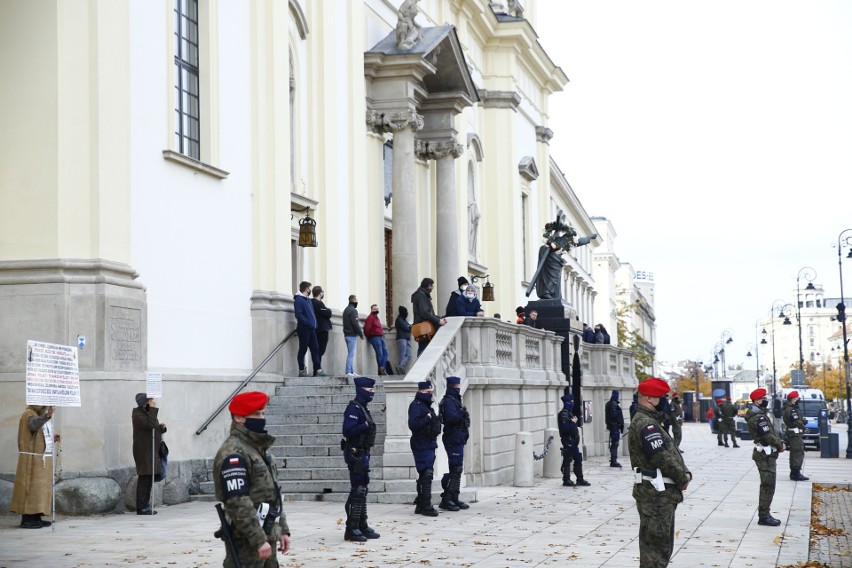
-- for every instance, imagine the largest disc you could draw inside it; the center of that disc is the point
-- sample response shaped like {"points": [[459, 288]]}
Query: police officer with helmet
{"points": [[246, 482], [425, 426], [359, 437], [660, 475]]}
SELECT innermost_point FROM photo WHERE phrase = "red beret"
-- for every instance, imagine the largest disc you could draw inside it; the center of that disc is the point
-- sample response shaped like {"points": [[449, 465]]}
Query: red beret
{"points": [[247, 403], [653, 387], [793, 394], [757, 394], [720, 400]]}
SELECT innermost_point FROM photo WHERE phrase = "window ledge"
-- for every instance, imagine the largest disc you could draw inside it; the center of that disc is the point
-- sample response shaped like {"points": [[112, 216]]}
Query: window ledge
{"points": [[179, 158]]}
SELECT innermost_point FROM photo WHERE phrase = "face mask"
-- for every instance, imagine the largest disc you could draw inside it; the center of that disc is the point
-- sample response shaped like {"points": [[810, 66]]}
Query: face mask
{"points": [[470, 296], [764, 404], [660, 405], [354, 304], [375, 312], [463, 287], [365, 396], [256, 425]]}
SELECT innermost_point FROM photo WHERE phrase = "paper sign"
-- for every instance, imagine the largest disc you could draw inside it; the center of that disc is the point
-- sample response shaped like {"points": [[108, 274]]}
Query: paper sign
{"points": [[53, 375], [154, 386]]}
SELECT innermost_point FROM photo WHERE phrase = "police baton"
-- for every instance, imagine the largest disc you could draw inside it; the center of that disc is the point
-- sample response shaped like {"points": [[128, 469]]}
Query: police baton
{"points": [[225, 534]]}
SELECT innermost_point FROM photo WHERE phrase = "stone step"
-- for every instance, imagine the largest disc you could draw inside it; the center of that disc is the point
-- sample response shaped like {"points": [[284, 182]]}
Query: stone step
{"points": [[314, 474], [289, 452], [316, 415], [328, 462], [319, 487], [332, 401], [336, 380], [282, 430]]}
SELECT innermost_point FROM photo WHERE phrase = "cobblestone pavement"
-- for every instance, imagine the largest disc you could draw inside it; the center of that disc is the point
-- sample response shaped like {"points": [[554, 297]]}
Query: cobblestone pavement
{"points": [[831, 543], [508, 527]]}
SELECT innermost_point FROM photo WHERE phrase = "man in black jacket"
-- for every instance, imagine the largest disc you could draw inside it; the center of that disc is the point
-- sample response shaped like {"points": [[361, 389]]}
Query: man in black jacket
{"points": [[421, 301], [615, 425]]}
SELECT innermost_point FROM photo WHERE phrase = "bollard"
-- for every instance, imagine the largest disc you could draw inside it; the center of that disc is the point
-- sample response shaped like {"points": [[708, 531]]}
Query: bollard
{"points": [[524, 463], [553, 459]]}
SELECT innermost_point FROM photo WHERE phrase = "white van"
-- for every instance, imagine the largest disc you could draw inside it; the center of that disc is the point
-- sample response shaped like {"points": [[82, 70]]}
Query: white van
{"points": [[811, 401]]}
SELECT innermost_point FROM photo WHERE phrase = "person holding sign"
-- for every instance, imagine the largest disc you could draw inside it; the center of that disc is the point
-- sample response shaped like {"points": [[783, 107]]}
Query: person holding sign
{"points": [[144, 423], [32, 496]]}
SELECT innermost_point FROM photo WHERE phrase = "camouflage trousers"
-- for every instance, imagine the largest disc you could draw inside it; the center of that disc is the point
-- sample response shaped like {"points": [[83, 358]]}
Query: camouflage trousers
{"points": [[656, 529], [248, 557], [797, 451], [766, 468], [677, 433], [727, 428]]}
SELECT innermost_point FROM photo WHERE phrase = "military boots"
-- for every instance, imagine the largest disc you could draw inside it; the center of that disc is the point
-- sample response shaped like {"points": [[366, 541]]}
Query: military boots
{"points": [[424, 498], [768, 521], [796, 474]]}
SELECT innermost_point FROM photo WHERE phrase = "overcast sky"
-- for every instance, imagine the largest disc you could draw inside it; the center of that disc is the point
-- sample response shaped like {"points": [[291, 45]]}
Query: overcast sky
{"points": [[717, 138]]}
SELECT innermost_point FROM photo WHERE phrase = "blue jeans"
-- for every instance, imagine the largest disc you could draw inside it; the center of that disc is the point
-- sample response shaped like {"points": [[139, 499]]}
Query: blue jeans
{"points": [[404, 346], [351, 346], [382, 355]]}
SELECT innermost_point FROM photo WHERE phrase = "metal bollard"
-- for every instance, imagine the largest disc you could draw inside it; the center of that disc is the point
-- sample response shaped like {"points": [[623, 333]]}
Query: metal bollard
{"points": [[553, 459], [524, 462]]}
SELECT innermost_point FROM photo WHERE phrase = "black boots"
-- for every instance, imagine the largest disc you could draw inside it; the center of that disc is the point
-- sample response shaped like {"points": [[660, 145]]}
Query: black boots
{"points": [[451, 482], [33, 522], [424, 495], [366, 529], [796, 474], [355, 507], [614, 463], [768, 521]]}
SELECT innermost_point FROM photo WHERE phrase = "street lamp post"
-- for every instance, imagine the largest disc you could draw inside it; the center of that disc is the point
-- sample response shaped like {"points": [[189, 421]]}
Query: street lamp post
{"points": [[841, 317], [809, 274], [726, 339], [749, 348], [772, 325]]}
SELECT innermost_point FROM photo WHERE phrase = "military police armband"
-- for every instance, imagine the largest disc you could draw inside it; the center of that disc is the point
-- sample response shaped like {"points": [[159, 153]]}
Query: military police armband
{"points": [[234, 476], [652, 440]]}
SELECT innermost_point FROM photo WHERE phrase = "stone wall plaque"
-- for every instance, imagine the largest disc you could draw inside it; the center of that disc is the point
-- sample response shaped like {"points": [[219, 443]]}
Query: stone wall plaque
{"points": [[124, 335]]}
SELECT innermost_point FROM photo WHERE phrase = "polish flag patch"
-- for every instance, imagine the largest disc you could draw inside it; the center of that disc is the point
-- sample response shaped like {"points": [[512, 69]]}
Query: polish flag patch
{"points": [[234, 461]]}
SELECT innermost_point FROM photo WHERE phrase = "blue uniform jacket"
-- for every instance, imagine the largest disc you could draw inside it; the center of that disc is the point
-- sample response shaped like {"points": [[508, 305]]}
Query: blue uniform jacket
{"points": [[465, 308], [418, 422], [354, 421], [456, 419]]}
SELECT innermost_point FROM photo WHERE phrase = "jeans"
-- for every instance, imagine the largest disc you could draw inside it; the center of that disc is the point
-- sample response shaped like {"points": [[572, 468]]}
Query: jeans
{"points": [[308, 340], [404, 346], [381, 349], [351, 346]]}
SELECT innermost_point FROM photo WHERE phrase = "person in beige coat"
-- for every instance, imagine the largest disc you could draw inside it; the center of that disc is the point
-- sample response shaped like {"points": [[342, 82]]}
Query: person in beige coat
{"points": [[144, 422], [33, 492]]}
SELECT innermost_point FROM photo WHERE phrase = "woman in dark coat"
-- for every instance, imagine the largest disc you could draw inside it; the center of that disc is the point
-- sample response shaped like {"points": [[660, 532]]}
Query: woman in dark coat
{"points": [[146, 449]]}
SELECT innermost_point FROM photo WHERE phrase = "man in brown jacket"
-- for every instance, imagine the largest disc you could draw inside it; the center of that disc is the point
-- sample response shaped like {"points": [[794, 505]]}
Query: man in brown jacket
{"points": [[32, 495], [146, 448]]}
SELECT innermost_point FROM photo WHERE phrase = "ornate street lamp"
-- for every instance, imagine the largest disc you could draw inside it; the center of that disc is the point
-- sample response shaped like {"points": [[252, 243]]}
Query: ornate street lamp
{"points": [[841, 317], [307, 228], [809, 274], [726, 339], [749, 348]]}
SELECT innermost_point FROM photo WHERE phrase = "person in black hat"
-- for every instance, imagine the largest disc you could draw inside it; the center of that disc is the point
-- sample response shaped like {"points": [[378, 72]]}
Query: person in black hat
{"points": [[615, 424], [456, 420], [359, 433], [521, 313], [425, 426], [455, 297], [145, 421], [569, 434]]}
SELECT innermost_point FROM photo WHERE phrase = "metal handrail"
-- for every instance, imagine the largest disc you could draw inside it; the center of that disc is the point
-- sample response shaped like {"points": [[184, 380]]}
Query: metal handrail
{"points": [[243, 384]]}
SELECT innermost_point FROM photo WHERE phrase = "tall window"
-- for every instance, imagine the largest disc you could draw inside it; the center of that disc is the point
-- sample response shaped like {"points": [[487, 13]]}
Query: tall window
{"points": [[187, 114]]}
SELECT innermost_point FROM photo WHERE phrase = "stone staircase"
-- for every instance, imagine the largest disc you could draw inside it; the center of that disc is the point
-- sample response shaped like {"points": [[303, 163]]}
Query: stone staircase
{"points": [[306, 417]]}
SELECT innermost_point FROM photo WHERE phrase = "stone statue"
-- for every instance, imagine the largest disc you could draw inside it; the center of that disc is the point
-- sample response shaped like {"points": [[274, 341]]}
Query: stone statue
{"points": [[547, 279], [472, 225], [408, 32]]}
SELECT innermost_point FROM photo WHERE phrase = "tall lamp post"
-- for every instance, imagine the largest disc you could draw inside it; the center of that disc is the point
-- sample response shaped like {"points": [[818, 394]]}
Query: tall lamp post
{"points": [[763, 341], [841, 317], [809, 274], [749, 348], [726, 339]]}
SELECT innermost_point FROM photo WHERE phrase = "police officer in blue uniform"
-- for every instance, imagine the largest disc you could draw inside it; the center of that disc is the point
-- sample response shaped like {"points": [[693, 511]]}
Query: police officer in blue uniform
{"points": [[569, 434], [456, 420], [425, 426], [359, 436]]}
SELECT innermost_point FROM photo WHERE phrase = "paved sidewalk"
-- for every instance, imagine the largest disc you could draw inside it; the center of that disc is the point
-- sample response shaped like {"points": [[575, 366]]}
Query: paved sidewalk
{"points": [[545, 525]]}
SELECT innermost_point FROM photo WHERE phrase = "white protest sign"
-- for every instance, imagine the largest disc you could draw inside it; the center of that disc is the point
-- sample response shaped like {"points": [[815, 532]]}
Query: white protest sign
{"points": [[154, 385], [53, 374]]}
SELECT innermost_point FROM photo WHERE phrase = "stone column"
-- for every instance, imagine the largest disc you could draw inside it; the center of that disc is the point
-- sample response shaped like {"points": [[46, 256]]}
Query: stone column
{"points": [[444, 152], [406, 277]]}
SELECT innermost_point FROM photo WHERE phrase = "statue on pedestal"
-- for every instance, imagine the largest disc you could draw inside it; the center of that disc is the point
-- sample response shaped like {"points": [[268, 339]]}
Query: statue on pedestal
{"points": [[408, 32], [559, 239]]}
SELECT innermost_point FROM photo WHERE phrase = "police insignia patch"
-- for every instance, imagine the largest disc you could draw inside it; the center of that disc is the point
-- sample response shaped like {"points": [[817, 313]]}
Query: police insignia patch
{"points": [[234, 476], [652, 440]]}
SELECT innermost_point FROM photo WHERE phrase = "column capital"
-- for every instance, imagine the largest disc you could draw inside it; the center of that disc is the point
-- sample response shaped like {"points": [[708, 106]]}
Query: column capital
{"points": [[437, 149], [394, 121]]}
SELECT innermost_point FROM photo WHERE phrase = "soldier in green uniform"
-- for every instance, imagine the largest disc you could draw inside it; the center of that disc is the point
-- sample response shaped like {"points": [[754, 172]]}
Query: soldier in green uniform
{"points": [[246, 482], [795, 426], [728, 427], [660, 476], [676, 417], [767, 446]]}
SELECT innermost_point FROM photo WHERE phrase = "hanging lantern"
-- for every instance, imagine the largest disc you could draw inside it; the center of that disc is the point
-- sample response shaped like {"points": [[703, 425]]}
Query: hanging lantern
{"points": [[307, 231], [488, 292]]}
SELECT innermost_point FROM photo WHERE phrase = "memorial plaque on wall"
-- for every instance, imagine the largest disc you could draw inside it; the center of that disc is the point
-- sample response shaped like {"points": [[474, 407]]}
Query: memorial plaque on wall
{"points": [[124, 335]]}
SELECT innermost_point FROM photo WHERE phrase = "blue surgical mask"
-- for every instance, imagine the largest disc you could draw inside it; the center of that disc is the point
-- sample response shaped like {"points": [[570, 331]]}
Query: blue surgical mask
{"points": [[470, 296]]}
